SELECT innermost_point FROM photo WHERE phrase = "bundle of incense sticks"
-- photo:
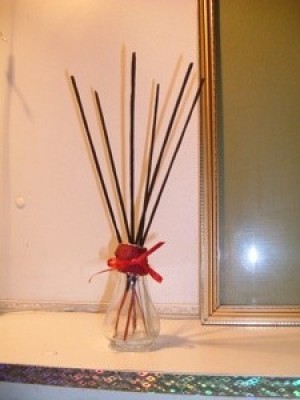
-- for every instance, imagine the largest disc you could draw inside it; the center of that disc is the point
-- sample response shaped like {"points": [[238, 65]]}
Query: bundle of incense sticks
{"points": [[137, 228]]}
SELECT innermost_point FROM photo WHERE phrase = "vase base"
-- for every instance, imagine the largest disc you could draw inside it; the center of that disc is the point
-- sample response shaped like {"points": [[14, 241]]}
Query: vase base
{"points": [[131, 346]]}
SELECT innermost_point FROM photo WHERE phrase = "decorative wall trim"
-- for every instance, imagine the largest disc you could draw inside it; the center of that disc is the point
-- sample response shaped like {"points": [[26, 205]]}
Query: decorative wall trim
{"points": [[166, 310], [154, 382]]}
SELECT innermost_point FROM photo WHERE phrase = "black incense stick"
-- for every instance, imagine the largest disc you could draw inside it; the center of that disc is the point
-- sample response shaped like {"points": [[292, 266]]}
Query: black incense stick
{"points": [[161, 154], [95, 159], [153, 132], [113, 165], [177, 147], [150, 158], [131, 144], [152, 171], [171, 123]]}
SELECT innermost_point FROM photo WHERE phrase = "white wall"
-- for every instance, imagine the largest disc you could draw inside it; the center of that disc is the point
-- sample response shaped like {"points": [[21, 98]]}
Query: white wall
{"points": [[54, 228]]}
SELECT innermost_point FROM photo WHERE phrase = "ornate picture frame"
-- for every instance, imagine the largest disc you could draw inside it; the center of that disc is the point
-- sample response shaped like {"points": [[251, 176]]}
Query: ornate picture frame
{"points": [[212, 309]]}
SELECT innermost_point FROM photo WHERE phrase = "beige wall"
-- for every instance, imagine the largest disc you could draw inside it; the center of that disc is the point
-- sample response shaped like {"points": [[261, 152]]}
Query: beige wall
{"points": [[53, 226]]}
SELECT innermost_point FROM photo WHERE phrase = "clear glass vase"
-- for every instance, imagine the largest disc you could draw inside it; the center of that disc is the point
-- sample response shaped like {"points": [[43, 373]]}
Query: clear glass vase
{"points": [[131, 322]]}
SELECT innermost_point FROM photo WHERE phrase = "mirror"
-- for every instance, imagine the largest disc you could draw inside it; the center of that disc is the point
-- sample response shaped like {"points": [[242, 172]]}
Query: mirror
{"points": [[250, 146]]}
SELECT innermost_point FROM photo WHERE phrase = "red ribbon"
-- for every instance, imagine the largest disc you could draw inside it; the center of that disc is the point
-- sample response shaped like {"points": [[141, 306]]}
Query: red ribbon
{"points": [[132, 259]]}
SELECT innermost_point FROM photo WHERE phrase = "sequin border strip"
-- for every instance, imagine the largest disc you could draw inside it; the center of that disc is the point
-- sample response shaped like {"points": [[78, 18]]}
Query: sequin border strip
{"points": [[156, 382]]}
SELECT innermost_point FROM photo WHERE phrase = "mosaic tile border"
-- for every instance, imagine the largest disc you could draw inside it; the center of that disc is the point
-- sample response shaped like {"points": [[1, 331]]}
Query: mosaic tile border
{"points": [[145, 382]]}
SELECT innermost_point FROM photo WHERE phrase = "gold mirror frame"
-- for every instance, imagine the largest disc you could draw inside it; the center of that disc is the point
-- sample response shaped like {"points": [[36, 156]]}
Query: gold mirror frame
{"points": [[212, 312]]}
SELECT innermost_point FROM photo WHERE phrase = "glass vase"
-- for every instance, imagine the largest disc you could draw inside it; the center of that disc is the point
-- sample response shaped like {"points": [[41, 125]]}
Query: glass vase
{"points": [[131, 322]]}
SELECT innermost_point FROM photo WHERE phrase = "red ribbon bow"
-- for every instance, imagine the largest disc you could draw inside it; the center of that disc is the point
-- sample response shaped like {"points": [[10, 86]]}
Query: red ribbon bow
{"points": [[133, 259]]}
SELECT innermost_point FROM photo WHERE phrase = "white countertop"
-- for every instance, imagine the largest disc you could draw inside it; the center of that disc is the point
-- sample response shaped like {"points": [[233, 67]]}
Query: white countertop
{"points": [[74, 340]]}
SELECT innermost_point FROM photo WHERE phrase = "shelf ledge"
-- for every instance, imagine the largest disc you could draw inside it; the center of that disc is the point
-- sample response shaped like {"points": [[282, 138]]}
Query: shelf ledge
{"points": [[68, 350]]}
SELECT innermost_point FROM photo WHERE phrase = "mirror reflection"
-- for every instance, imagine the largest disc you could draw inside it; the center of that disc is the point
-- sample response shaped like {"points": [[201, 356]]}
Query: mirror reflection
{"points": [[257, 99]]}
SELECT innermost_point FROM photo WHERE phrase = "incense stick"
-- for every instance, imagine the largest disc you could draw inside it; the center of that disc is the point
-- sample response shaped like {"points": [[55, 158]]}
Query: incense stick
{"points": [[171, 122], [165, 141], [177, 147], [95, 159], [140, 236], [132, 158], [113, 165], [150, 157]]}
